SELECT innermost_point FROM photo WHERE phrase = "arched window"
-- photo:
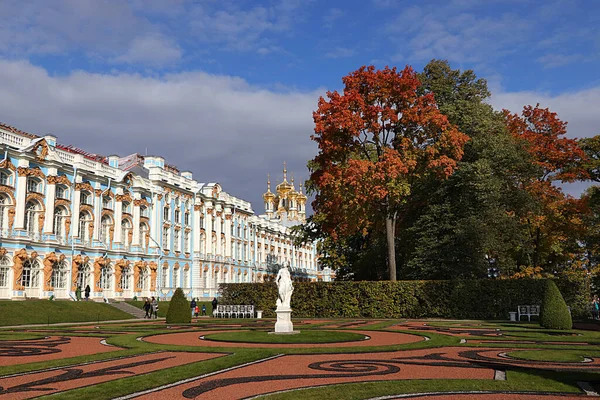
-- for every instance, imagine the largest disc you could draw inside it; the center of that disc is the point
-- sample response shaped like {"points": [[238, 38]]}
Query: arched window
{"points": [[34, 185], [85, 198], [165, 238], [143, 233], [105, 274], [186, 241], [177, 216], [85, 218], [203, 243], [59, 275], [165, 272], [176, 239], [30, 275], [144, 211], [166, 214], [32, 210], [60, 217], [107, 202], [4, 270], [62, 192], [4, 206], [144, 279], [5, 178], [83, 275], [127, 208], [125, 230], [175, 277], [125, 278], [186, 218], [186, 278], [105, 225]]}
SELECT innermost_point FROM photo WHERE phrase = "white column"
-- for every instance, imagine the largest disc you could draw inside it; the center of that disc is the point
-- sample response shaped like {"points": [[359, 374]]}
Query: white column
{"points": [[75, 213], [155, 229], [21, 195], [97, 216], [218, 229], [50, 197], [136, 224], [196, 230], [228, 218], [118, 218], [209, 229]]}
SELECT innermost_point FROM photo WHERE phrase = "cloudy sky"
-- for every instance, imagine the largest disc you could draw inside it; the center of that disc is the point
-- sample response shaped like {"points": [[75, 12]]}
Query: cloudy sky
{"points": [[226, 88]]}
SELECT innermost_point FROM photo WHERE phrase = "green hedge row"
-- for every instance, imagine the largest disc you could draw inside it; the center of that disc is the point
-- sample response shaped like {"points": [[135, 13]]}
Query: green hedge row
{"points": [[472, 299]]}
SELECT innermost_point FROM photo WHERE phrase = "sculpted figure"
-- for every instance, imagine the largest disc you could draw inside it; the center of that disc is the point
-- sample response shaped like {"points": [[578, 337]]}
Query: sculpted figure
{"points": [[49, 262], [98, 264], [18, 260], [77, 261], [153, 268], [284, 287]]}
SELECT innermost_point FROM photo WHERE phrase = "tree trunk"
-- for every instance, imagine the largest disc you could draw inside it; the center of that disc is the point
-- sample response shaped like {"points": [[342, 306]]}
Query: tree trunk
{"points": [[390, 228]]}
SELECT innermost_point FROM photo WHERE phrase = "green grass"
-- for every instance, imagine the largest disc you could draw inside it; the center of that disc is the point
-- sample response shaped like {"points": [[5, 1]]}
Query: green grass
{"points": [[548, 355], [306, 336], [51, 312]]}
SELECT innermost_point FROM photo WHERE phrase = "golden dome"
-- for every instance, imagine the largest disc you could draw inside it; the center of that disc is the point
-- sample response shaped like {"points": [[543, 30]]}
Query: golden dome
{"points": [[268, 195], [284, 186]]}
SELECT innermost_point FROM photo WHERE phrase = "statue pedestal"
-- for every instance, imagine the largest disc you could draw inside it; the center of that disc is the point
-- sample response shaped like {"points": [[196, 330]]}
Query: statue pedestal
{"points": [[284, 321]]}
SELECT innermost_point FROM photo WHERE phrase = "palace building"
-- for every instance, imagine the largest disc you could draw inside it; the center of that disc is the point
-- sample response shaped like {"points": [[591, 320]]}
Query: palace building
{"points": [[133, 226]]}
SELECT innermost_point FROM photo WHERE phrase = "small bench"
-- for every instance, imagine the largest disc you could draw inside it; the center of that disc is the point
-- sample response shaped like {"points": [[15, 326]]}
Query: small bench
{"points": [[528, 311], [234, 311]]}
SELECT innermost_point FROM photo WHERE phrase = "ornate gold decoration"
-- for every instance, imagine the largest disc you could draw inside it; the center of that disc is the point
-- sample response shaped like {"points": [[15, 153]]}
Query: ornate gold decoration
{"points": [[99, 263], [58, 180], [120, 265], [138, 268], [40, 150], [78, 261], [147, 238], [209, 211], [159, 197], [111, 233], [165, 264], [19, 259], [88, 208], [197, 207], [153, 268], [228, 217], [24, 171], [49, 261], [2, 251], [91, 229], [125, 197], [141, 202], [98, 192], [6, 164], [41, 219], [84, 186], [219, 213], [62, 202], [186, 267], [187, 255], [110, 213], [36, 196], [176, 265], [127, 180]]}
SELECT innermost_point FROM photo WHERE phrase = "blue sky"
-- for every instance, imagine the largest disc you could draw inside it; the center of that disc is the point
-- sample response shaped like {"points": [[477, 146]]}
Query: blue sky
{"points": [[226, 88]]}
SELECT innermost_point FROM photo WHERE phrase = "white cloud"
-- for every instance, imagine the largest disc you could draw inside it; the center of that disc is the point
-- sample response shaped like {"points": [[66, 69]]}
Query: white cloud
{"points": [[219, 127], [340, 52], [153, 50], [332, 15]]}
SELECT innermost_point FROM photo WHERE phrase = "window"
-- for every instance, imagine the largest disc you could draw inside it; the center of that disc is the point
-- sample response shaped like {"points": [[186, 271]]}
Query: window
{"points": [[143, 279], [143, 233], [177, 216], [166, 214], [62, 192], [29, 278], [105, 273], [176, 277], [106, 224], [176, 240], [84, 226], [124, 284], [125, 231], [4, 203], [60, 216], [58, 279], [4, 178], [165, 238], [186, 278], [165, 271], [144, 211], [4, 270], [201, 222], [186, 218], [186, 242], [34, 185], [127, 208], [107, 202], [32, 209], [83, 275], [85, 198]]}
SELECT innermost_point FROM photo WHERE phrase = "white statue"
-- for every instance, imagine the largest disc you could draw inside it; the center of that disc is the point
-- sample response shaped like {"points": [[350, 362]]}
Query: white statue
{"points": [[284, 287]]}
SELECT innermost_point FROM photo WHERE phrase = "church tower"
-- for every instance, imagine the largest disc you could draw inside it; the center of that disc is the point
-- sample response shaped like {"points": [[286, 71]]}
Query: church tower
{"points": [[286, 204], [269, 199]]}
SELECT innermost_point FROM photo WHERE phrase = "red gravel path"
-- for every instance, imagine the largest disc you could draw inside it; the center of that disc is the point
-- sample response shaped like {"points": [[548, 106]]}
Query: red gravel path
{"points": [[294, 371], [193, 339], [496, 396], [45, 349], [43, 383]]}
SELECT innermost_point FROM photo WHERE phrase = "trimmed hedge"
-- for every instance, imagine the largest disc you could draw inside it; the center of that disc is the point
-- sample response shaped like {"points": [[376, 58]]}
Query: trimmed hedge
{"points": [[464, 299], [554, 313], [179, 309]]}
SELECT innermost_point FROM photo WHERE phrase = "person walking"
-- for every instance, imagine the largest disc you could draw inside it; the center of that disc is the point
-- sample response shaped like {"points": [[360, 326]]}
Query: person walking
{"points": [[204, 309], [214, 305], [155, 307], [87, 292], [595, 307], [193, 306], [147, 308]]}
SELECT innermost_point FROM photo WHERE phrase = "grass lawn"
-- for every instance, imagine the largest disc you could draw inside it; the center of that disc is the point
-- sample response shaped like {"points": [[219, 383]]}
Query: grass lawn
{"points": [[302, 337], [46, 311]]}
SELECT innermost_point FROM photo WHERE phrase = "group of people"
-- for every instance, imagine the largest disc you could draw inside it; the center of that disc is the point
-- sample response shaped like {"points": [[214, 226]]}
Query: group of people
{"points": [[595, 307], [151, 307], [196, 309]]}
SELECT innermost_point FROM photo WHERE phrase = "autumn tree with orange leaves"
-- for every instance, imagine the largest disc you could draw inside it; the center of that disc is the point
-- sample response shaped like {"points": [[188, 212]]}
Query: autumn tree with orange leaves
{"points": [[376, 139], [558, 218]]}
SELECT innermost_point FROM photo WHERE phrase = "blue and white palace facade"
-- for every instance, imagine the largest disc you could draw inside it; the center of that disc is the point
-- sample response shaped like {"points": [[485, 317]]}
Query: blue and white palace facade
{"points": [[132, 227]]}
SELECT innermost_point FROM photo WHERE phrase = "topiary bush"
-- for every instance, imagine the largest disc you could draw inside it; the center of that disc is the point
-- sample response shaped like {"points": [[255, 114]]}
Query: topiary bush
{"points": [[554, 313], [179, 309]]}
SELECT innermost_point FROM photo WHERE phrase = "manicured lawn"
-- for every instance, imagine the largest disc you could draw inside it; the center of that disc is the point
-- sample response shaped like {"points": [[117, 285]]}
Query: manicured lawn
{"points": [[46, 311], [302, 337], [548, 355]]}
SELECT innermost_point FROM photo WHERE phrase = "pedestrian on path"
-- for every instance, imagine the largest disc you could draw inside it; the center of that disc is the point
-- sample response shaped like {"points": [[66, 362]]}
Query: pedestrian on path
{"points": [[147, 308], [87, 292], [155, 307], [193, 307]]}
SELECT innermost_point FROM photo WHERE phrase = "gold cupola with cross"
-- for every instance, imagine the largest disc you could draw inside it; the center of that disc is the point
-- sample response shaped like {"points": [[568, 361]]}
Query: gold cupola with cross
{"points": [[286, 203]]}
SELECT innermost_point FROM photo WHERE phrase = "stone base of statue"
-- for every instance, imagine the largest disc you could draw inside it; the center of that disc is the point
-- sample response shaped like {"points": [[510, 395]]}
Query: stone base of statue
{"points": [[284, 322]]}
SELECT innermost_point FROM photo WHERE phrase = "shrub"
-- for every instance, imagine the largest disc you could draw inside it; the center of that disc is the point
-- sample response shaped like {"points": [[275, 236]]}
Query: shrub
{"points": [[179, 309], [554, 313], [474, 299]]}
